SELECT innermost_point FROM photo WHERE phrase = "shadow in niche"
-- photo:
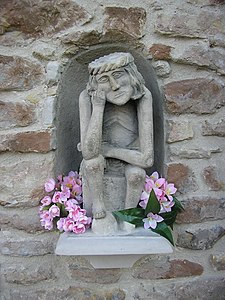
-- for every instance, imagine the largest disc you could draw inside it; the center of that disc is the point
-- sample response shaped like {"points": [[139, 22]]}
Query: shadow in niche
{"points": [[73, 82]]}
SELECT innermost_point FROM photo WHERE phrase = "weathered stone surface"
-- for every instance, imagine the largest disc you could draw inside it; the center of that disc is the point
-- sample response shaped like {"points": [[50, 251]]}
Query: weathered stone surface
{"points": [[179, 131], [25, 273], [13, 114], [160, 51], [19, 244], [214, 177], [198, 153], [30, 141], [218, 261], [101, 276], [80, 38], [23, 178], [216, 129], [162, 68], [27, 220], [182, 176], [69, 293], [200, 238], [202, 209], [18, 73], [202, 24], [129, 20], [162, 267], [217, 40], [38, 17], [203, 56], [201, 288], [199, 96]]}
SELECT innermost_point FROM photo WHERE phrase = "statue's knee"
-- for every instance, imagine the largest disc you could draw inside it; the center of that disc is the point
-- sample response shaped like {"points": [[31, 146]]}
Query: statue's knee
{"points": [[135, 175], [95, 164]]}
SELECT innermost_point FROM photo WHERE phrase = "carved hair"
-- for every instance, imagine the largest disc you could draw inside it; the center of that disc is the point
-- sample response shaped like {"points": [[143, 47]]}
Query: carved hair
{"points": [[112, 62]]}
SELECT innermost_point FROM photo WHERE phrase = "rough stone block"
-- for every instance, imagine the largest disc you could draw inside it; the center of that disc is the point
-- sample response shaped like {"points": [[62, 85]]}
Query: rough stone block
{"points": [[179, 131], [40, 17], [200, 209], [197, 153], [100, 276], [30, 141], [162, 267], [18, 73], [15, 114], [214, 129], [200, 237], [203, 56], [214, 177], [80, 38], [162, 68], [72, 292], [182, 176], [27, 220], [129, 20], [20, 244], [160, 51], [203, 23], [199, 96], [218, 261], [27, 272], [23, 177]]}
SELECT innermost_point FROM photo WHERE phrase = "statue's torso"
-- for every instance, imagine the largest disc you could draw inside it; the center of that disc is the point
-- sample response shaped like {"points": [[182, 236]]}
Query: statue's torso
{"points": [[120, 126]]}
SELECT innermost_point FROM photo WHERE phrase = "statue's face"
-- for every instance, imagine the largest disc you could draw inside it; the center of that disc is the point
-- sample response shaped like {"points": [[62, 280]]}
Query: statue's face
{"points": [[116, 85]]}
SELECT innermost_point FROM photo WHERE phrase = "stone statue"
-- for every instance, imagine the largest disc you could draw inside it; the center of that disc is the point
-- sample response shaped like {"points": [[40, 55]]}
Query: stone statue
{"points": [[116, 130]]}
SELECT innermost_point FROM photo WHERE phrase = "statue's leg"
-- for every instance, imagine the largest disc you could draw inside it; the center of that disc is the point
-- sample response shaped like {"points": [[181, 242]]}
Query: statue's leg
{"points": [[93, 170], [135, 178]]}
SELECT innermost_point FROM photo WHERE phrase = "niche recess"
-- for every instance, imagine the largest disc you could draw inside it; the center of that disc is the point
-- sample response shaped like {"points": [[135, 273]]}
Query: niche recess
{"points": [[73, 82]]}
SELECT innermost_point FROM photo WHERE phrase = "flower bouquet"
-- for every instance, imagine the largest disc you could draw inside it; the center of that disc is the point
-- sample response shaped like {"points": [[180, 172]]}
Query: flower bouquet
{"points": [[62, 208], [157, 208]]}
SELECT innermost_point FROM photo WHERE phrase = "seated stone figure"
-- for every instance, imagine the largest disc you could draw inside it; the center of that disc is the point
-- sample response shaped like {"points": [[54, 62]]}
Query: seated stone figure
{"points": [[116, 129]]}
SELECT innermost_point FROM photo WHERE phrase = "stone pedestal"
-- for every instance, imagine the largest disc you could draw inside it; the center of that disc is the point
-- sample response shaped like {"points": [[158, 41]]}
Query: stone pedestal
{"points": [[114, 251]]}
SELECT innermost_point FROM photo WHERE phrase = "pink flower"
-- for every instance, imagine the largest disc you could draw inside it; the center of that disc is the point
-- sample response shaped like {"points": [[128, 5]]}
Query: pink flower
{"points": [[60, 223], [47, 224], [46, 201], [170, 190], [152, 220], [54, 211], [65, 193], [45, 215], [79, 228], [50, 185], [144, 199], [68, 225], [57, 197], [69, 204], [166, 206]]}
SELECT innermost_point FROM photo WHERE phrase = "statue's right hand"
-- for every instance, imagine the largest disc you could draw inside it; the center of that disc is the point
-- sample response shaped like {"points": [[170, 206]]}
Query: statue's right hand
{"points": [[98, 98]]}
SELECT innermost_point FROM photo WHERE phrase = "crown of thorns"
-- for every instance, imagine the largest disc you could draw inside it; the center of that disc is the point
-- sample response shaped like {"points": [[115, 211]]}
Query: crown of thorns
{"points": [[110, 62]]}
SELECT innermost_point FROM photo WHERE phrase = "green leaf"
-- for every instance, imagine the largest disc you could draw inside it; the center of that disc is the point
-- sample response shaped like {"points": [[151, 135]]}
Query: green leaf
{"points": [[177, 206], [169, 217], [131, 215], [164, 231], [46, 207], [153, 204]]}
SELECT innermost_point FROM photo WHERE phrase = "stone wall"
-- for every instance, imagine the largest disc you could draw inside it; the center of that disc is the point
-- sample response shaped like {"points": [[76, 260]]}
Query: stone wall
{"points": [[185, 42]]}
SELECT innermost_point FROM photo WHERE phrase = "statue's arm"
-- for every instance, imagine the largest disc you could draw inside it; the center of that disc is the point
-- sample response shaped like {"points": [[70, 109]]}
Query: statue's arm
{"points": [[144, 156], [91, 119]]}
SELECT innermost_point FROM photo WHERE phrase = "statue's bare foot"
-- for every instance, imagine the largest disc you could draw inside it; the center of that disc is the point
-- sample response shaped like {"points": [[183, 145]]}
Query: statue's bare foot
{"points": [[99, 212]]}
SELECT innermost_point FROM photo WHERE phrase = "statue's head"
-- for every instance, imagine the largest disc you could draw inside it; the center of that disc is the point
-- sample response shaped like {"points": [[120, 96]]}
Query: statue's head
{"points": [[116, 75]]}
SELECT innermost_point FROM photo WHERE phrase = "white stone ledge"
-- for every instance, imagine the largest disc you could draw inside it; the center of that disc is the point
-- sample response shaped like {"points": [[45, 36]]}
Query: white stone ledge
{"points": [[114, 251]]}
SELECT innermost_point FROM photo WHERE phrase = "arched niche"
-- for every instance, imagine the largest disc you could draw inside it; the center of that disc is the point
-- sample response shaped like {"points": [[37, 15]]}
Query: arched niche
{"points": [[73, 81]]}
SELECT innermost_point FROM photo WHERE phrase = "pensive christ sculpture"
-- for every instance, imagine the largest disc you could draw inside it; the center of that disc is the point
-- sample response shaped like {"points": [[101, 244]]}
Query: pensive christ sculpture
{"points": [[116, 129]]}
